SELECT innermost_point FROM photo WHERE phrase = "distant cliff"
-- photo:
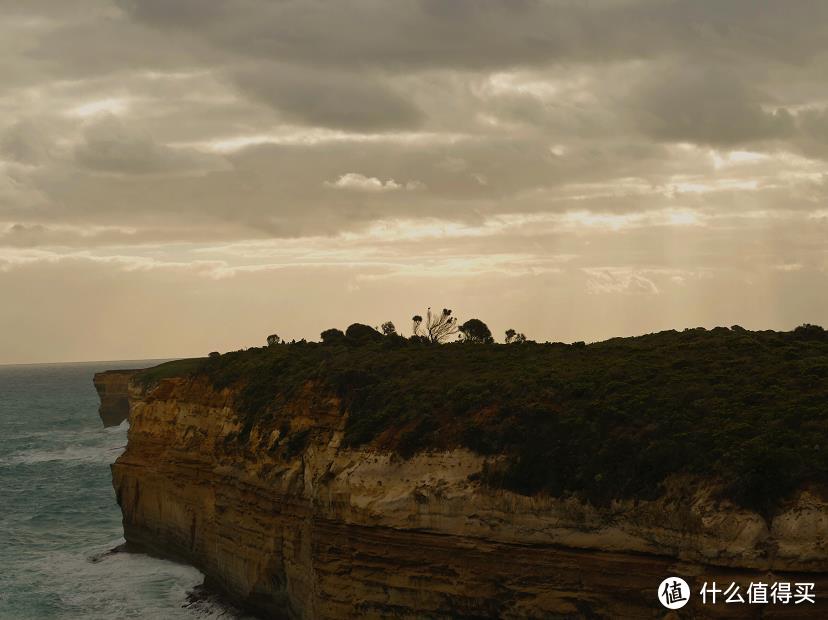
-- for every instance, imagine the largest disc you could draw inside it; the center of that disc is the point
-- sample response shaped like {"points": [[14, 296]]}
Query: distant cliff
{"points": [[112, 387], [261, 473]]}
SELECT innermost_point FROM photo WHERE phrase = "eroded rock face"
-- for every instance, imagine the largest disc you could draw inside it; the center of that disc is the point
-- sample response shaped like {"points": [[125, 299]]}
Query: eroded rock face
{"points": [[113, 390], [291, 524]]}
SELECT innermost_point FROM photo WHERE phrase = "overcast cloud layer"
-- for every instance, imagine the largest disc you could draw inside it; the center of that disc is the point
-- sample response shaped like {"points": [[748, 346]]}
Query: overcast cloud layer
{"points": [[180, 176]]}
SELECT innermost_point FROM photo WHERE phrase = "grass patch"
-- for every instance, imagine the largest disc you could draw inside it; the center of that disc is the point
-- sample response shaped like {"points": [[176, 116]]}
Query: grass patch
{"points": [[176, 368]]}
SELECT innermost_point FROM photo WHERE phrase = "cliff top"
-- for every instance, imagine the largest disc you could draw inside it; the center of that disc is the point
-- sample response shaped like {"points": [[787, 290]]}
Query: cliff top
{"points": [[606, 420]]}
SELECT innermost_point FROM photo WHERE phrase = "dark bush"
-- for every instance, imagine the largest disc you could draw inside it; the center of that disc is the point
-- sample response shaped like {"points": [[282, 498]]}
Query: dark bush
{"points": [[476, 331], [332, 336], [807, 331], [515, 337], [362, 334]]}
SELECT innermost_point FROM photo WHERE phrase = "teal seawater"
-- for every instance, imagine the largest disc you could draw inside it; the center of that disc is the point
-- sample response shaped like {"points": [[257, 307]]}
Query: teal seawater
{"points": [[58, 515]]}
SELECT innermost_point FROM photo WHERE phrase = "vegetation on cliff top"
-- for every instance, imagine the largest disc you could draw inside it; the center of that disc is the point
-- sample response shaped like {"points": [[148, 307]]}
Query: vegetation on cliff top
{"points": [[175, 368], [606, 420]]}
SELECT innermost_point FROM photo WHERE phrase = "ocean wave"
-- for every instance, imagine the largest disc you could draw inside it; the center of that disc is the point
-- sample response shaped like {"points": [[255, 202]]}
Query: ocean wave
{"points": [[62, 435], [71, 455], [121, 585], [59, 516]]}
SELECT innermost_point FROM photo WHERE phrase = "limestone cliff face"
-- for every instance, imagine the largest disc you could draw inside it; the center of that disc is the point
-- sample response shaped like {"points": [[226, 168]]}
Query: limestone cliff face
{"points": [[290, 523], [113, 386]]}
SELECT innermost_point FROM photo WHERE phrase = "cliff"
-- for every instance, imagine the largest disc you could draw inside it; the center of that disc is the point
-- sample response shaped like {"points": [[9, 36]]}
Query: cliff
{"points": [[112, 387], [379, 477], [291, 523]]}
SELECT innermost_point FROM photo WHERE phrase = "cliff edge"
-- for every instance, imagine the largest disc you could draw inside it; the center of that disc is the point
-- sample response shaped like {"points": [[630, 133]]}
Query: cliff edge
{"points": [[113, 390], [290, 508]]}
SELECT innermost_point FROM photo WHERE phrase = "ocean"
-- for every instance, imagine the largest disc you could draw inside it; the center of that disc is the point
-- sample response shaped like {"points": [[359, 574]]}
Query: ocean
{"points": [[58, 516]]}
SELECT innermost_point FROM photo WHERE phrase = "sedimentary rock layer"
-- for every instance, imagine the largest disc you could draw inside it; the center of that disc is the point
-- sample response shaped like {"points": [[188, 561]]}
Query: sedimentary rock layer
{"points": [[288, 522], [112, 387]]}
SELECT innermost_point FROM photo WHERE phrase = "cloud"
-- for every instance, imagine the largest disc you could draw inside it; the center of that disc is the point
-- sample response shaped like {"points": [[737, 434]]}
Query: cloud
{"points": [[495, 34], [707, 106], [336, 100], [812, 138], [109, 145], [359, 182], [24, 143], [619, 281], [97, 39]]}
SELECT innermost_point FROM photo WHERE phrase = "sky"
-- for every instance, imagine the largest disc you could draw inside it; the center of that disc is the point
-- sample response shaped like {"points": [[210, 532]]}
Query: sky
{"points": [[178, 177]]}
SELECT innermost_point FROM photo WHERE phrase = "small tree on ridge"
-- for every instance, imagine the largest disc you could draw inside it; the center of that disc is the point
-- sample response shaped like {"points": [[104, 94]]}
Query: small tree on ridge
{"points": [[475, 330], [513, 337], [436, 328]]}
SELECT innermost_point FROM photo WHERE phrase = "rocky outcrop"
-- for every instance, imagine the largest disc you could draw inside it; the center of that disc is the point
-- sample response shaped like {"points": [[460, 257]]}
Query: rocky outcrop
{"points": [[284, 519], [113, 390]]}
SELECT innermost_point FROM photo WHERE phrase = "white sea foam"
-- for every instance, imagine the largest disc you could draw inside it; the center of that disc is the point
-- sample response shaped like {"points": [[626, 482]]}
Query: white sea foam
{"points": [[123, 585], [84, 446], [71, 454]]}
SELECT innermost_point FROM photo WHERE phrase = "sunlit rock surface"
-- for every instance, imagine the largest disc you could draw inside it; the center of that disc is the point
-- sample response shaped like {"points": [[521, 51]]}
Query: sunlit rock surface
{"points": [[290, 524]]}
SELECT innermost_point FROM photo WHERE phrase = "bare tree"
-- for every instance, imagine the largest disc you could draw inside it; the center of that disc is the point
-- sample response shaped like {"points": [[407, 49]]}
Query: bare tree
{"points": [[436, 328]]}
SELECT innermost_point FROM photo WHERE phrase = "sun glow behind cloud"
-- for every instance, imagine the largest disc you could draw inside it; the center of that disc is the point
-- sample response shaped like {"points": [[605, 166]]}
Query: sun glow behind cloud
{"points": [[289, 135], [110, 105]]}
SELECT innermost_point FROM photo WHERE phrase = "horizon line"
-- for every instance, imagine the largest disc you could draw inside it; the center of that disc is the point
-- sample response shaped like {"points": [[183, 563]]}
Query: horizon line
{"points": [[65, 362]]}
